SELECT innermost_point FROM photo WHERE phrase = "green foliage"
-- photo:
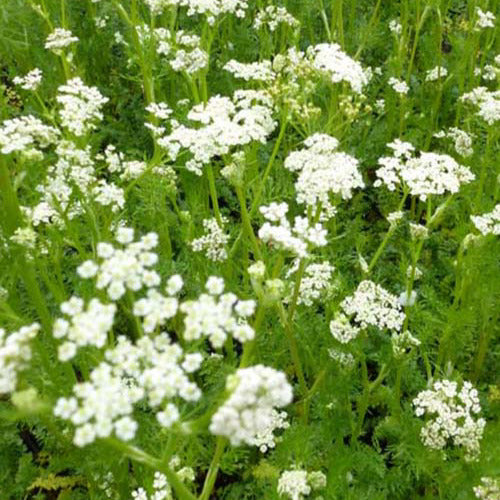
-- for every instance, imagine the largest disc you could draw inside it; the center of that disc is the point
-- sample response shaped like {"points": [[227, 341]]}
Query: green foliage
{"points": [[358, 428]]}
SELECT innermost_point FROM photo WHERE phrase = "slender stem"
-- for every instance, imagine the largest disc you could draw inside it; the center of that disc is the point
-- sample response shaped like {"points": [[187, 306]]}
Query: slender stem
{"points": [[363, 400], [154, 463], [260, 189], [324, 18], [482, 175], [213, 193], [415, 41], [26, 269], [249, 347], [213, 469], [247, 225], [368, 29], [292, 343], [296, 290], [384, 242], [267, 171]]}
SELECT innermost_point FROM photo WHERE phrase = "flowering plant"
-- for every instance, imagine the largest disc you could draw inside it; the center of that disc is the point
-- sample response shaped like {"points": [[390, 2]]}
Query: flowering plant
{"points": [[248, 250]]}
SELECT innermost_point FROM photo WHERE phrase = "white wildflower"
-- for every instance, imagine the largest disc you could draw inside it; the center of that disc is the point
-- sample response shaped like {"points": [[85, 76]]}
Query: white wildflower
{"points": [[59, 39], [213, 242], [216, 315], [255, 393], [488, 223], [452, 417], [15, 353], [30, 81]]}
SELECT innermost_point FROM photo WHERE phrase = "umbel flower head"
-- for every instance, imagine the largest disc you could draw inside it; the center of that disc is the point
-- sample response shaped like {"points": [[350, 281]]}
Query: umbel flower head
{"points": [[329, 59], [488, 223], [216, 315], [323, 171], [221, 124], [15, 352], [296, 484], [370, 305], [80, 106], [153, 369], [451, 417], [250, 409], [423, 175], [128, 267], [26, 135], [277, 231]]}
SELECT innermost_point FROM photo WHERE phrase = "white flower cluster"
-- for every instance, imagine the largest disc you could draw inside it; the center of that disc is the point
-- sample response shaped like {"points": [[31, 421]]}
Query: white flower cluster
{"points": [[161, 489], [423, 175], [255, 392], [395, 27], [489, 72], [370, 305], [85, 326], [182, 51], [30, 81], [328, 58], [296, 484], [487, 101], [211, 9], [213, 242], [489, 489], [216, 315], [403, 342], [393, 218], [399, 86], [452, 413], [221, 124], [15, 352], [418, 231], [124, 268], [116, 163], [315, 282], [59, 39], [265, 439], [484, 19], [462, 140], [322, 170], [435, 74], [488, 223], [160, 110], [261, 71], [25, 237], [26, 135], [272, 16], [278, 232], [73, 169], [80, 106], [342, 329], [154, 369], [344, 359], [155, 309]]}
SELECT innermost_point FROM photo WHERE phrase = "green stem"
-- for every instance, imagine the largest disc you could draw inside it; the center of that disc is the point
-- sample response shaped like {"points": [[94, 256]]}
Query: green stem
{"points": [[368, 29], [260, 189], [247, 225], [415, 41], [154, 463], [213, 193], [384, 242], [249, 346], [213, 469], [292, 343], [296, 290]]}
